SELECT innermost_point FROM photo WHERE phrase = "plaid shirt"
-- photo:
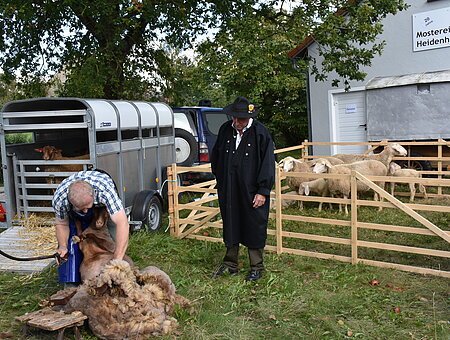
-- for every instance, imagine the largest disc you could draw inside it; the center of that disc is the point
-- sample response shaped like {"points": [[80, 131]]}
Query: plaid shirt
{"points": [[104, 193]]}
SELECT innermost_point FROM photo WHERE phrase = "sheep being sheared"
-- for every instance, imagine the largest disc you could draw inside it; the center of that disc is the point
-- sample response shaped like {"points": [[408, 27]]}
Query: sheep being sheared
{"points": [[120, 301], [397, 171], [96, 244], [122, 304]]}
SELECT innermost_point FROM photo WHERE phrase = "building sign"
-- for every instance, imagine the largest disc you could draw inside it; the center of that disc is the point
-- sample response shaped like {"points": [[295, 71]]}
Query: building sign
{"points": [[431, 29], [350, 108]]}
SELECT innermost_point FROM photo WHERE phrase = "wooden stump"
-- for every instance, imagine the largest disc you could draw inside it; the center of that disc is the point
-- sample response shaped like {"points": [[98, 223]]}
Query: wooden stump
{"points": [[53, 320]]}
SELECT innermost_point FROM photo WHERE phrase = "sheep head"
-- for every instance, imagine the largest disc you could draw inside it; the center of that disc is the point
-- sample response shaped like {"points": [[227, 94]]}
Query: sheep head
{"points": [[287, 164], [101, 217], [398, 149], [393, 167], [322, 166], [303, 189], [49, 153], [285, 161]]}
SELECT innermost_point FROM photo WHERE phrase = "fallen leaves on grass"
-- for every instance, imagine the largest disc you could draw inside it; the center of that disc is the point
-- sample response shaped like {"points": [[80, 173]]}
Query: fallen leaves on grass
{"points": [[395, 288]]}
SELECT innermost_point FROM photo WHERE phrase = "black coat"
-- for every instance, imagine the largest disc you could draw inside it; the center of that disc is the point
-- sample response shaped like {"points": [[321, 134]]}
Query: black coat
{"points": [[241, 174]]}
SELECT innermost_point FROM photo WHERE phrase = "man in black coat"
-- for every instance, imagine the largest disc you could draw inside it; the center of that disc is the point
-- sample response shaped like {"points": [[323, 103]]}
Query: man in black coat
{"points": [[243, 162]]}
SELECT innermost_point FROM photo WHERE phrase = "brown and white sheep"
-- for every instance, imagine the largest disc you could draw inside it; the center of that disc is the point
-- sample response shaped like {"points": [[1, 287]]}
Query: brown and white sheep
{"points": [[397, 171], [342, 186]]}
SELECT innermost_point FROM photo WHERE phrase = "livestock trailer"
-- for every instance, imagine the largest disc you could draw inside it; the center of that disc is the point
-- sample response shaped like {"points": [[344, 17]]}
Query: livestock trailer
{"points": [[133, 141]]}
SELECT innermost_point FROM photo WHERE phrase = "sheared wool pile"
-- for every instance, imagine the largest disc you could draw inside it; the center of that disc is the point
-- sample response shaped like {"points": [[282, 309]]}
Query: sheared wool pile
{"points": [[121, 303]]}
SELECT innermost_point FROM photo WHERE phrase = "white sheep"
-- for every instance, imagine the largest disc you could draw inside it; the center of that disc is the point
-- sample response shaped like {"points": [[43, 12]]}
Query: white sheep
{"points": [[318, 186], [285, 203], [390, 151], [397, 171], [342, 186], [331, 159], [290, 164]]}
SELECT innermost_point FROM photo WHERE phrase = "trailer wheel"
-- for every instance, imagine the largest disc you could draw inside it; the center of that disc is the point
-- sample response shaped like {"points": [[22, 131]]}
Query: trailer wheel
{"points": [[186, 148], [147, 208], [416, 165]]}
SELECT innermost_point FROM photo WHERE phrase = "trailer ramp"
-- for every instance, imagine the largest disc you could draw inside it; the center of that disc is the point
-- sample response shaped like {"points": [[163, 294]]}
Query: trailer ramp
{"points": [[16, 242]]}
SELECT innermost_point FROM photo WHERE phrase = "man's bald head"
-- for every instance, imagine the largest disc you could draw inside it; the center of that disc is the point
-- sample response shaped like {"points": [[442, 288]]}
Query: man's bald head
{"points": [[81, 195]]}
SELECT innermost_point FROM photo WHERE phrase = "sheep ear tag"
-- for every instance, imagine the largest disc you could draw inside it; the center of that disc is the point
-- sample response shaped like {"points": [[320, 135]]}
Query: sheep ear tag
{"points": [[307, 190]]}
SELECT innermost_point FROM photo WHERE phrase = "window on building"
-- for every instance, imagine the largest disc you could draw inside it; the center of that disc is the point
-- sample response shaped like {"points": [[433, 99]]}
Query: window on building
{"points": [[423, 88]]}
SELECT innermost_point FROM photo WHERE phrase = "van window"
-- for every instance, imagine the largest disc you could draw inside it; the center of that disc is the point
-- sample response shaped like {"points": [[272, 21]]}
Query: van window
{"points": [[214, 121]]}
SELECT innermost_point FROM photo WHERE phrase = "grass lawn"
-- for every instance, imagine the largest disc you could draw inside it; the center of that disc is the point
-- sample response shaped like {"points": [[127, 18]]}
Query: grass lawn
{"points": [[298, 297]]}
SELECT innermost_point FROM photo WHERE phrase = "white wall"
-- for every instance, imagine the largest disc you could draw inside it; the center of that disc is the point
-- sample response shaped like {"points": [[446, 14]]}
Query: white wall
{"points": [[398, 58]]}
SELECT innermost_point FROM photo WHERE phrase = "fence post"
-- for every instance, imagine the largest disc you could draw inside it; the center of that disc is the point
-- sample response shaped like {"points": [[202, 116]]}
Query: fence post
{"points": [[175, 216], [278, 220], [441, 141], [171, 208], [305, 151], [354, 217]]}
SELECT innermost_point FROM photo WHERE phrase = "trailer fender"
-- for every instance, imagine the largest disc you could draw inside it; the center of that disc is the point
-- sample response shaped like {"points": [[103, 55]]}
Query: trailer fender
{"points": [[147, 207]]}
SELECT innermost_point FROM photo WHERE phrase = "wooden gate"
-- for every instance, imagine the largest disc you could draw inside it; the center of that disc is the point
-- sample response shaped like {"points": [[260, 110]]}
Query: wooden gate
{"points": [[194, 213]]}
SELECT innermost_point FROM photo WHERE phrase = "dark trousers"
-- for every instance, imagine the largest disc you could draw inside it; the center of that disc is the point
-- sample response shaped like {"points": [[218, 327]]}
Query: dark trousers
{"points": [[255, 256]]}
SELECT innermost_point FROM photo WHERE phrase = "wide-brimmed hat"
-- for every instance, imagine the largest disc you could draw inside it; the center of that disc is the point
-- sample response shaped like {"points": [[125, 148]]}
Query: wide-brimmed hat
{"points": [[241, 108]]}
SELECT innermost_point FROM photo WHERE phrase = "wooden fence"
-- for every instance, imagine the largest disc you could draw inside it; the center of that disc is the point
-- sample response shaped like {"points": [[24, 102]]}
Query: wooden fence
{"points": [[414, 242]]}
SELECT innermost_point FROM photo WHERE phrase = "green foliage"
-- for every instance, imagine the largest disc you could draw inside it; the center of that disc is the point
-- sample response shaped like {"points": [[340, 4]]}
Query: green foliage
{"points": [[188, 83], [106, 45], [19, 138], [130, 49], [248, 56], [348, 42], [11, 89]]}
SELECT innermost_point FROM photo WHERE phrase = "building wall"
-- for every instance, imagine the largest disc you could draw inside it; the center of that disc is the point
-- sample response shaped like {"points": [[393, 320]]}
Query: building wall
{"points": [[403, 113], [398, 58]]}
